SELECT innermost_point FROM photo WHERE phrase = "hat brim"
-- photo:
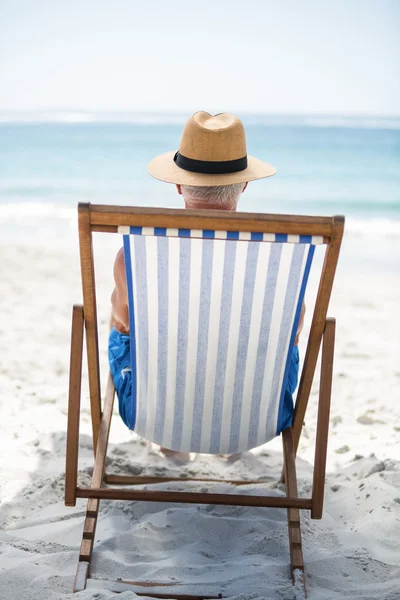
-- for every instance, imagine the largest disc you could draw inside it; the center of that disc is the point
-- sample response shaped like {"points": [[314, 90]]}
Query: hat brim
{"points": [[164, 168]]}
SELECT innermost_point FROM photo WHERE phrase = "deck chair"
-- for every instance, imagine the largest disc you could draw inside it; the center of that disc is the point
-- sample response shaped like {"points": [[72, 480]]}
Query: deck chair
{"points": [[214, 304]]}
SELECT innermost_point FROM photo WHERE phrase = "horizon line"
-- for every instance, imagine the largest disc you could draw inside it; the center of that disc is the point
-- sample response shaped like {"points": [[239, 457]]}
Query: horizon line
{"points": [[179, 112]]}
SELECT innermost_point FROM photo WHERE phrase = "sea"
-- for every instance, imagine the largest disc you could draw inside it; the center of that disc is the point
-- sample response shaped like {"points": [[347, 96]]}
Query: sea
{"points": [[325, 165]]}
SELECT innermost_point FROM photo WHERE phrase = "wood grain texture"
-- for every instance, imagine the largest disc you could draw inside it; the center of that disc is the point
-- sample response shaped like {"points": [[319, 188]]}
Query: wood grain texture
{"points": [[90, 314], [75, 377], [92, 511], [85, 554], [112, 216], [293, 514], [192, 497], [317, 327], [149, 479], [154, 589], [172, 589], [92, 507], [104, 432], [174, 596], [321, 444]]}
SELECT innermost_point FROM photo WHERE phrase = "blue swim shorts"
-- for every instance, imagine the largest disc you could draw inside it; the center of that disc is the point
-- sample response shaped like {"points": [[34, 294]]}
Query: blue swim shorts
{"points": [[119, 358]]}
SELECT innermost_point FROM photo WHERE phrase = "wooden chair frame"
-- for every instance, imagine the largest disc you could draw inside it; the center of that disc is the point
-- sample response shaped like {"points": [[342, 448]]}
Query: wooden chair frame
{"points": [[98, 218]]}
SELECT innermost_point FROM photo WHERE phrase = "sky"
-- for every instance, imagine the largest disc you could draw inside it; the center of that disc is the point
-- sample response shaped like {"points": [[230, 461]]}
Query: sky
{"points": [[291, 56]]}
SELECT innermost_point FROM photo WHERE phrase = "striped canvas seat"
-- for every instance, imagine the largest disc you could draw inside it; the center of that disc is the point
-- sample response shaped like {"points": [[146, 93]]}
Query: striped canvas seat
{"points": [[213, 319]]}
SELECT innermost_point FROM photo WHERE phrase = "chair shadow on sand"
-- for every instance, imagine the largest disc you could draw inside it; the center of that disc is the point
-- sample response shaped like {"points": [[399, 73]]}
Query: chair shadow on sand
{"points": [[218, 549], [237, 551]]}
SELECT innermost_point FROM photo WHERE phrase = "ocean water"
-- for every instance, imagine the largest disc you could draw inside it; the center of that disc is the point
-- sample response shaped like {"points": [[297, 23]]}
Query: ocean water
{"points": [[48, 163]]}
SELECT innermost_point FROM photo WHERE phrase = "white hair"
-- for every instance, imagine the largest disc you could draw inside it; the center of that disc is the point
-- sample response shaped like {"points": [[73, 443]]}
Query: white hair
{"points": [[224, 196]]}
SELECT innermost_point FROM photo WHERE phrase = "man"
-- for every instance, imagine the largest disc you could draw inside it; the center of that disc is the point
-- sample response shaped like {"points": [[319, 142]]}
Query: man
{"points": [[211, 170]]}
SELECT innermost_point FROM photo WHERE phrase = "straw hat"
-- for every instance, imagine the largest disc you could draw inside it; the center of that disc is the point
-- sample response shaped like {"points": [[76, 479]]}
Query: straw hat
{"points": [[212, 152]]}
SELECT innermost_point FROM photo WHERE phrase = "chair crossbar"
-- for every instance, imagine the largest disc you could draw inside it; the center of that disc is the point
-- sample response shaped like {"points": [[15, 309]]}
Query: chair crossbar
{"points": [[194, 498]]}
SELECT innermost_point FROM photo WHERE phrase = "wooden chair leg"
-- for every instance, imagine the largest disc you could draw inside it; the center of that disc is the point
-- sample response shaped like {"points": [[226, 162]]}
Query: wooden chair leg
{"points": [[90, 307], [75, 378], [92, 511], [86, 551], [295, 545], [81, 577], [324, 404]]}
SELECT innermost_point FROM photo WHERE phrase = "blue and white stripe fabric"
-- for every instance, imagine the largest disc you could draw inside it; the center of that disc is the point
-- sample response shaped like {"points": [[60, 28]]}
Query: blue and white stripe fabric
{"points": [[213, 318]]}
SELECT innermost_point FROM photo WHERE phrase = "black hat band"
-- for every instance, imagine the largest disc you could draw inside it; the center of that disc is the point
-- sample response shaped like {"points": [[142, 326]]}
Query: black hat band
{"points": [[209, 167]]}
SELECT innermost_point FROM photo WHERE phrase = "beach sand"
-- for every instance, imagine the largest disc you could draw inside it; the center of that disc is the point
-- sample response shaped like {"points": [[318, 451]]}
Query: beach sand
{"points": [[353, 552]]}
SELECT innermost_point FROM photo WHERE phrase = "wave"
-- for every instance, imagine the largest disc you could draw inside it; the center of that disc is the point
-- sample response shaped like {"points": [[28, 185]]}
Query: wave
{"points": [[49, 213], [180, 117], [353, 122], [77, 117], [35, 211], [374, 227]]}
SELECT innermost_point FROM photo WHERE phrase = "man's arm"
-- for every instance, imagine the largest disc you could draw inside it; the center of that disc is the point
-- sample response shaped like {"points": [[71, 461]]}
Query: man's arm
{"points": [[119, 297], [301, 324]]}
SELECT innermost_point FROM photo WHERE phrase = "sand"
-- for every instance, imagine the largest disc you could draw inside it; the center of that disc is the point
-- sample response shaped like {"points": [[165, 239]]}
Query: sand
{"points": [[353, 552]]}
